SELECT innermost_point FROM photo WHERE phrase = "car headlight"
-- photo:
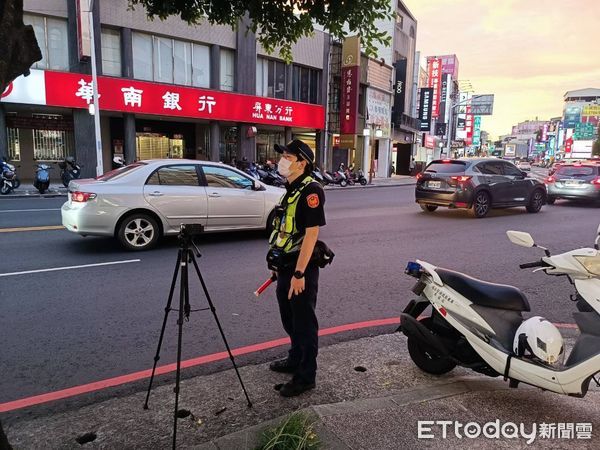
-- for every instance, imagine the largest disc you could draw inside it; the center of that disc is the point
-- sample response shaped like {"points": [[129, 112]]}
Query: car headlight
{"points": [[591, 264]]}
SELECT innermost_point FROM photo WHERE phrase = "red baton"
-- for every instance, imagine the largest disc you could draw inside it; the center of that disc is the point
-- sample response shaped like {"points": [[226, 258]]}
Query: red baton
{"points": [[265, 285]]}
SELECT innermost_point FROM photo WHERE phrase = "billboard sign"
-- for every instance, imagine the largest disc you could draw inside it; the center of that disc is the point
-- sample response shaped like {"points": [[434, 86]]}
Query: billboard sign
{"points": [[350, 85], [399, 91], [572, 116], [434, 72], [425, 103]]}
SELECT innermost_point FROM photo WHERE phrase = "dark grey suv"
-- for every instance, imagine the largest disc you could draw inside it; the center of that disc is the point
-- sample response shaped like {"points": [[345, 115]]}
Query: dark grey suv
{"points": [[478, 184]]}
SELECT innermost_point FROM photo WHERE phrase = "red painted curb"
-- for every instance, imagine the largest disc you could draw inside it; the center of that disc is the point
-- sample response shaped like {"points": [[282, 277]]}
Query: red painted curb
{"points": [[161, 370]]}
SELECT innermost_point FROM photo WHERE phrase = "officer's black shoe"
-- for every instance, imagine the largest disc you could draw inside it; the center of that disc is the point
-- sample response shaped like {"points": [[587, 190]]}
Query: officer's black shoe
{"points": [[283, 366], [294, 388]]}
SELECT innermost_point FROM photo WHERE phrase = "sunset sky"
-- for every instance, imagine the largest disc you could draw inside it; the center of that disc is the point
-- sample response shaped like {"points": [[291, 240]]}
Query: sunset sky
{"points": [[528, 53]]}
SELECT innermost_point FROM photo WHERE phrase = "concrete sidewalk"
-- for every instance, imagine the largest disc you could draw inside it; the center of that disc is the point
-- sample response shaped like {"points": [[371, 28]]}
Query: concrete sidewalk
{"points": [[375, 408]]}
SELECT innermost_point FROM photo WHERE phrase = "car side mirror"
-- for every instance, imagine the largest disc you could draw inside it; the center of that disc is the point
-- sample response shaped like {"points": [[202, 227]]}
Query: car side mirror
{"points": [[521, 238], [524, 174], [256, 186]]}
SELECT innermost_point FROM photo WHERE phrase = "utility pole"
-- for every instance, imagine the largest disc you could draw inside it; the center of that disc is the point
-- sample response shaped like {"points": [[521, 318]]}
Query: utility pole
{"points": [[96, 111]]}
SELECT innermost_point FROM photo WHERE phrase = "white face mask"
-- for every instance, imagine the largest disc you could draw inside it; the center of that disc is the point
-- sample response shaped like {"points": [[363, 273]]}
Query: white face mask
{"points": [[284, 167]]}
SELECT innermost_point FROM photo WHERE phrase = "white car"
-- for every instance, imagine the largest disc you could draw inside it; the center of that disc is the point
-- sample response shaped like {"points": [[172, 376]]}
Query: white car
{"points": [[523, 165], [143, 201]]}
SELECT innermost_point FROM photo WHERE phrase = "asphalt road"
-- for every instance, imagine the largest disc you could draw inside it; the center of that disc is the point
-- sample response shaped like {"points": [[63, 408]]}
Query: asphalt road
{"points": [[65, 328]]}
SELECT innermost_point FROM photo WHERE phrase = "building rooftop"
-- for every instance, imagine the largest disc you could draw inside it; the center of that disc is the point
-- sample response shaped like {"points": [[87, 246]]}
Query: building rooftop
{"points": [[587, 92]]}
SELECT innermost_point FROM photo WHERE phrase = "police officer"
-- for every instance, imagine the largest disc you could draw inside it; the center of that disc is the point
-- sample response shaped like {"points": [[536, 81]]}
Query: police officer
{"points": [[295, 233]]}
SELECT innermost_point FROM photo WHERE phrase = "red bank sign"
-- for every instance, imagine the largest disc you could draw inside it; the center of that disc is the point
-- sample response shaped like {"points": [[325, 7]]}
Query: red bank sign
{"points": [[74, 90]]}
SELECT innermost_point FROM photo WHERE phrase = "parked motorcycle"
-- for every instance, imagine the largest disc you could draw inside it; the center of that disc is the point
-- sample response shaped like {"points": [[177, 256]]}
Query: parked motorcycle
{"points": [[42, 177], [270, 176], [336, 178], [69, 170], [8, 178], [480, 326], [317, 175], [252, 171], [356, 177]]}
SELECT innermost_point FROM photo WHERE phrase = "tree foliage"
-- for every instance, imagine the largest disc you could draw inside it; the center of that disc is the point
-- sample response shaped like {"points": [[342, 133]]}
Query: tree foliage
{"points": [[279, 24], [18, 46]]}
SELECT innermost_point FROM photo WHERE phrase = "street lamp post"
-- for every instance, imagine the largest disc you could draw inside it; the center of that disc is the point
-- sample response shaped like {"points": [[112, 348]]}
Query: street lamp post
{"points": [[96, 108]]}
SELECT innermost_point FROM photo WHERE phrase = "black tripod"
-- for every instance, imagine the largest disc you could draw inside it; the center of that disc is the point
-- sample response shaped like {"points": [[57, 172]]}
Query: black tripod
{"points": [[184, 257]]}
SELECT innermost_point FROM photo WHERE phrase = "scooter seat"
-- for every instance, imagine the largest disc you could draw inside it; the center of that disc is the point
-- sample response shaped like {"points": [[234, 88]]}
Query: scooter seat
{"points": [[500, 296]]}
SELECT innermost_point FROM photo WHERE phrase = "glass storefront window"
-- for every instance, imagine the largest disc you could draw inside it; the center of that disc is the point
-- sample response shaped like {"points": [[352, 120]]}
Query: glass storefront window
{"points": [[227, 69], [270, 78], [228, 145], [51, 35], [51, 144], [158, 146], [201, 66], [14, 145], [171, 61], [163, 59], [306, 84], [182, 55], [111, 52], [142, 56], [265, 141]]}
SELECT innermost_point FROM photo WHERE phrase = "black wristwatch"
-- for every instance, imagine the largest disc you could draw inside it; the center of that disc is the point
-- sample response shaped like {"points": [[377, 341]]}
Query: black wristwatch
{"points": [[298, 274]]}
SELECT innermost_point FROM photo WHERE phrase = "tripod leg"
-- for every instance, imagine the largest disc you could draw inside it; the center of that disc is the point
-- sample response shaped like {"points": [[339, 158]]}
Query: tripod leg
{"points": [[214, 312], [162, 331], [183, 300]]}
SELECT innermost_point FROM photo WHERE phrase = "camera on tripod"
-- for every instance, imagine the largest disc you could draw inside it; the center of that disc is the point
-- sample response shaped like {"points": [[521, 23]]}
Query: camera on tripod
{"points": [[191, 230]]}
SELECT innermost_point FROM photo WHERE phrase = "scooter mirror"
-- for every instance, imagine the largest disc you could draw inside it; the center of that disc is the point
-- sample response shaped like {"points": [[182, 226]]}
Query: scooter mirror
{"points": [[520, 238]]}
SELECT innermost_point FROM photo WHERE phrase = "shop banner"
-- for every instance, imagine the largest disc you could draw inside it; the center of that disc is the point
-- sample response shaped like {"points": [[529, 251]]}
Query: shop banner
{"points": [[399, 92], [30, 90], [350, 85], [349, 96], [572, 116], [425, 101], [434, 71], [378, 108], [74, 90], [477, 131]]}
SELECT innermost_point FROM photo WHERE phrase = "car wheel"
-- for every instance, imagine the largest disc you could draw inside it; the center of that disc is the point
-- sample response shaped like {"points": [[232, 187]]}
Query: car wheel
{"points": [[138, 232], [550, 200], [428, 208], [481, 204], [536, 201]]}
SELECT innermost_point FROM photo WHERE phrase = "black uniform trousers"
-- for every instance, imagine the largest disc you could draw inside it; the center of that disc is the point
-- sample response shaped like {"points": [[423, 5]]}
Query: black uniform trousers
{"points": [[300, 321]]}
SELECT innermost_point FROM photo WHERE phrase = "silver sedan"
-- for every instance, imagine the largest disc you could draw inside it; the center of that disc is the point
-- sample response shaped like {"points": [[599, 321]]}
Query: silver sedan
{"points": [[143, 201]]}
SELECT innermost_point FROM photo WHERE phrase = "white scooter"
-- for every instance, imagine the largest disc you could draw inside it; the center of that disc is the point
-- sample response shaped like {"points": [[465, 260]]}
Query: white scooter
{"points": [[477, 325]]}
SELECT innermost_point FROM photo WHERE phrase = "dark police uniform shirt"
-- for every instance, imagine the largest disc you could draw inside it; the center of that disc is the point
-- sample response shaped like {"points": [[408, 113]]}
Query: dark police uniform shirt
{"points": [[310, 211]]}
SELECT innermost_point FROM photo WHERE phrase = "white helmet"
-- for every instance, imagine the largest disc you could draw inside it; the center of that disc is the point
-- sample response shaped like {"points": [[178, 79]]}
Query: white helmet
{"points": [[542, 339]]}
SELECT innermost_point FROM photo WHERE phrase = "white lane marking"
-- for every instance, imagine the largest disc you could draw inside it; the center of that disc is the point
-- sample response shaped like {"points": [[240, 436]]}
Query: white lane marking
{"points": [[83, 266], [28, 210]]}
